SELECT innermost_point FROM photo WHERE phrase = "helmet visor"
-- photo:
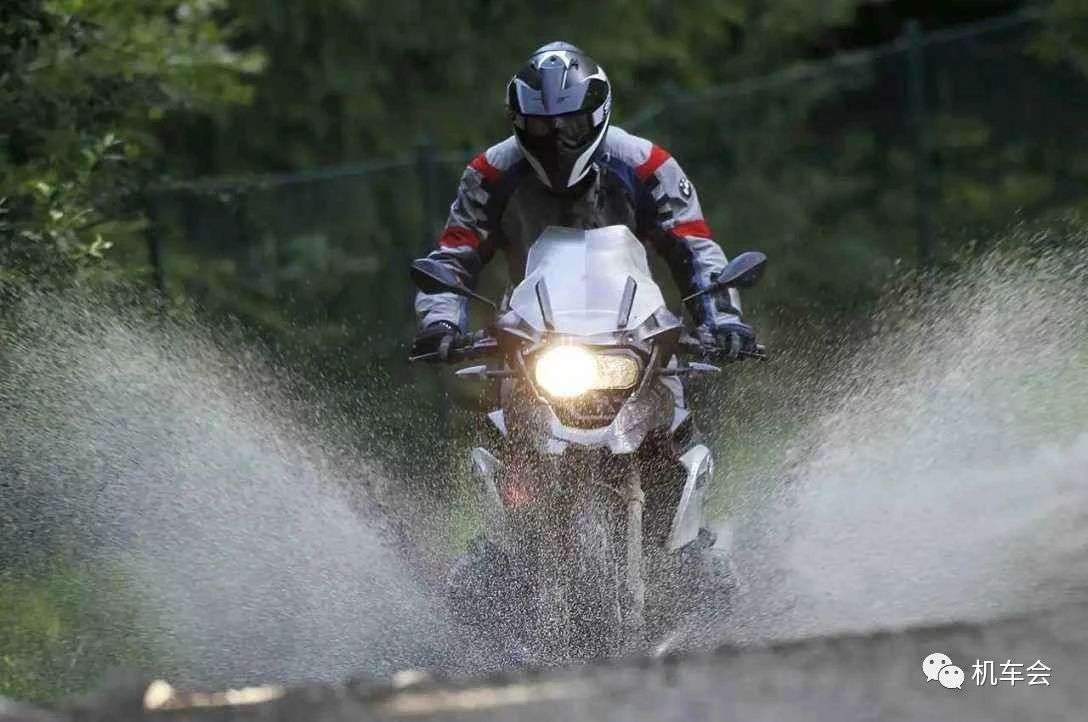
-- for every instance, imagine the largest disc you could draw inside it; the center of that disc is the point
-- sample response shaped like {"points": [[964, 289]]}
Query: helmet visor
{"points": [[570, 131], [560, 146]]}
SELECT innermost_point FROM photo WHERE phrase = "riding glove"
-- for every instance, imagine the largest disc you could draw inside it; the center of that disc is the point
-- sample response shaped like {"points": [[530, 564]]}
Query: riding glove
{"points": [[438, 337], [732, 338]]}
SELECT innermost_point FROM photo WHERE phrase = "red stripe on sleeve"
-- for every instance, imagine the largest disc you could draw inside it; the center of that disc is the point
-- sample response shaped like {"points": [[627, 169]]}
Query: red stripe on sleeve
{"points": [[658, 155], [693, 228], [458, 237], [488, 171]]}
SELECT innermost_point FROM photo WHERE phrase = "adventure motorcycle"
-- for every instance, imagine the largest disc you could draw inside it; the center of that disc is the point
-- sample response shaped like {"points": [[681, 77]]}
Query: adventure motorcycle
{"points": [[598, 482]]}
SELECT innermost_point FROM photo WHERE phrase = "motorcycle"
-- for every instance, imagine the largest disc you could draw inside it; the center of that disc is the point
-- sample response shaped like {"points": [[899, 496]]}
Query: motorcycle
{"points": [[598, 481]]}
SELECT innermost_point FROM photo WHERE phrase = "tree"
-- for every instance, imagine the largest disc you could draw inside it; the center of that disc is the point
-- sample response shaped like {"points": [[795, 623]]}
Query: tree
{"points": [[1065, 33], [353, 79], [83, 84]]}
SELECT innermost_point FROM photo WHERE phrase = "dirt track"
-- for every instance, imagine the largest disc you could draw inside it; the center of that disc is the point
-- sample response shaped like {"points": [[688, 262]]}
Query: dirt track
{"points": [[873, 677]]}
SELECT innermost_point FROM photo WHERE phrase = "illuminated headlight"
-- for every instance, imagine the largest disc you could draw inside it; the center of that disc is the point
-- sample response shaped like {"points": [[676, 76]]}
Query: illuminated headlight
{"points": [[569, 371]]}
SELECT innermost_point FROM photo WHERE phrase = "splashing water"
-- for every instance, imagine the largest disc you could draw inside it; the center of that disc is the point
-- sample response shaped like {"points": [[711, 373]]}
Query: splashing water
{"points": [[173, 461], [943, 474]]}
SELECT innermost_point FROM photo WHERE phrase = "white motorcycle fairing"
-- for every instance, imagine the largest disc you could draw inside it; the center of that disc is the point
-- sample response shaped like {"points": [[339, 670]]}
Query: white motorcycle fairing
{"points": [[594, 287]]}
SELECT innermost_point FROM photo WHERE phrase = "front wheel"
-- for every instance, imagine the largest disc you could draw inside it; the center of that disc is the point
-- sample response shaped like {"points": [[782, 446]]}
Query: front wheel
{"points": [[591, 594]]}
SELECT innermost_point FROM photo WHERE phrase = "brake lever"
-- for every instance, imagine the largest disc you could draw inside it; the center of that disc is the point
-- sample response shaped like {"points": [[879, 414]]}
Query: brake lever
{"points": [[692, 345], [759, 353], [483, 373], [689, 368], [479, 344]]}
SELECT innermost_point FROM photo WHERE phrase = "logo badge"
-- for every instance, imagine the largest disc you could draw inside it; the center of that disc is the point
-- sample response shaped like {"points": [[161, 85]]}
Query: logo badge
{"points": [[938, 667]]}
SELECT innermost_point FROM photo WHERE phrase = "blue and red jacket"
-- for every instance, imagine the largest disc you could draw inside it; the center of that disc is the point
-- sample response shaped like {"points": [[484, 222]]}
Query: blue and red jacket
{"points": [[501, 204]]}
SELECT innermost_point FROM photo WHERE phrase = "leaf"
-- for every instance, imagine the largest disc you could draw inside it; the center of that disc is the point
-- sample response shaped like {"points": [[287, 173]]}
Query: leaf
{"points": [[98, 247]]}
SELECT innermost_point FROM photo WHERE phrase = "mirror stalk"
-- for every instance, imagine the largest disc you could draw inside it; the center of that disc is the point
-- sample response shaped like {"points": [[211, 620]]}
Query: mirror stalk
{"points": [[431, 277], [472, 294]]}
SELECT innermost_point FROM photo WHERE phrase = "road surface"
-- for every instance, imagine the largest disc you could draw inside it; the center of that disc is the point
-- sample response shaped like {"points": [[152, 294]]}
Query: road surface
{"points": [[863, 677]]}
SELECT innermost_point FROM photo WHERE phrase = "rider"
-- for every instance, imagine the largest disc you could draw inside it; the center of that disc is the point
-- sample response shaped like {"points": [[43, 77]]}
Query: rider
{"points": [[565, 165]]}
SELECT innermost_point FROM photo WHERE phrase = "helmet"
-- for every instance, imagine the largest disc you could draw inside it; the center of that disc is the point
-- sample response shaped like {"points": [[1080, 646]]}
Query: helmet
{"points": [[560, 103]]}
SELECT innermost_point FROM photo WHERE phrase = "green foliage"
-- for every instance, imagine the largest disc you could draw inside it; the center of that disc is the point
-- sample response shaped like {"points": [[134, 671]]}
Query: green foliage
{"points": [[819, 164], [351, 79], [64, 626], [83, 83], [1065, 33]]}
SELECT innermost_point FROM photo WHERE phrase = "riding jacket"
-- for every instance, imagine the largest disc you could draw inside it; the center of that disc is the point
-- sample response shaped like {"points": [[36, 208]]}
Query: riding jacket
{"points": [[501, 204]]}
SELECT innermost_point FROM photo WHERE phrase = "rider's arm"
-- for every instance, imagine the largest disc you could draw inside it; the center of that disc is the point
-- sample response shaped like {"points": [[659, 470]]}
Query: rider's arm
{"points": [[465, 245], [681, 234]]}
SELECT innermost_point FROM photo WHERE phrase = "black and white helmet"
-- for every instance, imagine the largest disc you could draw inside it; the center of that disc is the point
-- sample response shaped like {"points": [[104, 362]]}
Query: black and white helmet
{"points": [[560, 102]]}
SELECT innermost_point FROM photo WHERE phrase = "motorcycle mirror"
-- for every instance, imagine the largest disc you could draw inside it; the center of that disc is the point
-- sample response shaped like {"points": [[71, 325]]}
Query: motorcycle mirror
{"points": [[430, 276], [742, 272]]}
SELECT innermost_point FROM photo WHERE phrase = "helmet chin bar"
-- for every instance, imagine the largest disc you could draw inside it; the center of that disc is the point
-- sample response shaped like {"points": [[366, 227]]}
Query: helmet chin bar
{"points": [[581, 166], [579, 170], [537, 167]]}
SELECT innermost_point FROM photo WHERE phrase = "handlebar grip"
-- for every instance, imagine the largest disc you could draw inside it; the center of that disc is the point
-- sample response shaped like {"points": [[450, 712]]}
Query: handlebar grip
{"points": [[759, 352], [689, 344], [461, 348]]}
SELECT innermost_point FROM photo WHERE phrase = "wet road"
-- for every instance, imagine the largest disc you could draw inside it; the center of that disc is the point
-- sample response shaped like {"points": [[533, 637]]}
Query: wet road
{"points": [[869, 677]]}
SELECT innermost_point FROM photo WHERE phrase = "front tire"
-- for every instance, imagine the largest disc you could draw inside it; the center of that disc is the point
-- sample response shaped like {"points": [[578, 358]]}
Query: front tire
{"points": [[580, 611]]}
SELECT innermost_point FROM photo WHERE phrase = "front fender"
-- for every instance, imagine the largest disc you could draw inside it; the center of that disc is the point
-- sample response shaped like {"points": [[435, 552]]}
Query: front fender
{"points": [[486, 468], [688, 519]]}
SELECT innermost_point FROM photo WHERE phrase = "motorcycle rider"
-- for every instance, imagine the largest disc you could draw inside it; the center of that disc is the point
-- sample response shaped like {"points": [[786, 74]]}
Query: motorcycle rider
{"points": [[566, 165]]}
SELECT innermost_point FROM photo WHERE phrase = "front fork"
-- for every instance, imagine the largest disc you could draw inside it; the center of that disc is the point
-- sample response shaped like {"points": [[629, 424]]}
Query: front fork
{"points": [[689, 516], [687, 520], [635, 583]]}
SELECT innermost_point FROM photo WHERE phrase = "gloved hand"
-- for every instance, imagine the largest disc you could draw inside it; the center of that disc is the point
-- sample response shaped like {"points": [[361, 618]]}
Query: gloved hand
{"points": [[731, 338], [438, 337]]}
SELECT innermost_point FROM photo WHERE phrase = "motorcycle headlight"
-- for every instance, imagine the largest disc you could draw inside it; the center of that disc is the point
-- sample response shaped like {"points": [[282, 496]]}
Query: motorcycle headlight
{"points": [[569, 371]]}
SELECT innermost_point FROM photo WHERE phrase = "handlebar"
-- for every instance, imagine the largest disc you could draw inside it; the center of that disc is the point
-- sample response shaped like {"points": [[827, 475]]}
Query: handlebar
{"points": [[480, 344], [469, 346], [692, 346]]}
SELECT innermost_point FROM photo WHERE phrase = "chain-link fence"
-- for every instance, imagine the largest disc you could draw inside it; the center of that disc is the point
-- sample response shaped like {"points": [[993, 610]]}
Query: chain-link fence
{"points": [[840, 170], [844, 170]]}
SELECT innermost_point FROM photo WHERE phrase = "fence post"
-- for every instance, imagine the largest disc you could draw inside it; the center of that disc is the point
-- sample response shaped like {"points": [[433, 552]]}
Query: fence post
{"points": [[426, 171], [671, 97], [919, 123], [426, 168], [154, 246]]}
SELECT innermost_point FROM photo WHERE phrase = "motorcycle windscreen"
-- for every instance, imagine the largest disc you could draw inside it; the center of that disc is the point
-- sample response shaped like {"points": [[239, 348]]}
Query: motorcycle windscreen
{"points": [[585, 280]]}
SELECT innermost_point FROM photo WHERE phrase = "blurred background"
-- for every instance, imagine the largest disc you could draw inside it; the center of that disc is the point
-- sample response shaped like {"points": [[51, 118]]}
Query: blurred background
{"points": [[273, 165]]}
